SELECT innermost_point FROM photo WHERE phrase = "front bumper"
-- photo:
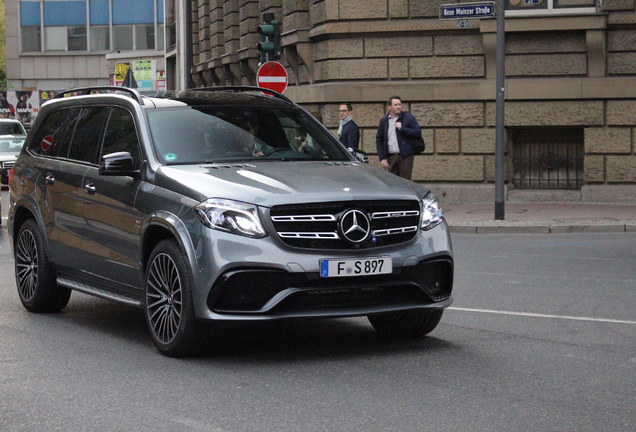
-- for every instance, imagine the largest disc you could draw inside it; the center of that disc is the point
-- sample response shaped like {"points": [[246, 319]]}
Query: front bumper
{"points": [[271, 293], [273, 281]]}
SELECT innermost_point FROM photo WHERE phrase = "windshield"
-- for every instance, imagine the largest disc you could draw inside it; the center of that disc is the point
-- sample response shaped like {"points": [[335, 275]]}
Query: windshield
{"points": [[11, 145], [202, 134], [11, 128]]}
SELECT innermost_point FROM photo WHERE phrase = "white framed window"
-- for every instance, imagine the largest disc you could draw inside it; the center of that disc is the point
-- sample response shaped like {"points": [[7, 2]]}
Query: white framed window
{"points": [[91, 25], [76, 38], [160, 36], [550, 7], [100, 38], [31, 38], [55, 38], [123, 37], [65, 38], [144, 36]]}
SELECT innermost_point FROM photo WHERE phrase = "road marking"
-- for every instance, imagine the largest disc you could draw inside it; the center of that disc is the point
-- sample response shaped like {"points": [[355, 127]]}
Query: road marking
{"points": [[526, 314]]}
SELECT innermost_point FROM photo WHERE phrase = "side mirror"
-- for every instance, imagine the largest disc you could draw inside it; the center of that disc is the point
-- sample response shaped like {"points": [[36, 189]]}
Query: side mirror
{"points": [[359, 154], [117, 164]]}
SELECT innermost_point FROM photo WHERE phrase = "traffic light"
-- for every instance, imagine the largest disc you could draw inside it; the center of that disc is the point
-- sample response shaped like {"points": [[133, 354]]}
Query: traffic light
{"points": [[269, 46]]}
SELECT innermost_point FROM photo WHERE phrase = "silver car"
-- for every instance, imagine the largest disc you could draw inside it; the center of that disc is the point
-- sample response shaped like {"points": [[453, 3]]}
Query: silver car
{"points": [[10, 146], [219, 206]]}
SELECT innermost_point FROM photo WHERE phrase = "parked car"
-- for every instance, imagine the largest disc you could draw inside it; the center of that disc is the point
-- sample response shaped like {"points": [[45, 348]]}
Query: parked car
{"points": [[10, 146], [219, 206]]}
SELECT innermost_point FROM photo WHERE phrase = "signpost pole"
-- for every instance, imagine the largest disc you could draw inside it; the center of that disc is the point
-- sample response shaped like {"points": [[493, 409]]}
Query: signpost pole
{"points": [[500, 113]]}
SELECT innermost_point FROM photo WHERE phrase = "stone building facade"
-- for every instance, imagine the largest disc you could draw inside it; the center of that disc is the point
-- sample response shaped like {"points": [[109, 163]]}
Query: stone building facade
{"points": [[570, 111]]}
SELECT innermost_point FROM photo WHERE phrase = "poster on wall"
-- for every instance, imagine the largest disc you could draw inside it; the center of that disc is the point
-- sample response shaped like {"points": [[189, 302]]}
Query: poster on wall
{"points": [[144, 72], [120, 73], [22, 105], [46, 95], [7, 110], [138, 74], [26, 105], [160, 81]]}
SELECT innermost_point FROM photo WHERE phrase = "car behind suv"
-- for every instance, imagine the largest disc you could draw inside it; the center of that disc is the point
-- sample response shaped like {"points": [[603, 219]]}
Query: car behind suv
{"points": [[220, 205], [11, 127]]}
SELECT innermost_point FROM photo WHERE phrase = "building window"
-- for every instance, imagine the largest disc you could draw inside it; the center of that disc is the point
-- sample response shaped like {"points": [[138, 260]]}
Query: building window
{"points": [[91, 25], [144, 37], [55, 38], [72, 38], [548, 158], [160, 37], [30, 28], [65, 25], [574, 3], [549, 7], [31, 38], [123, 37], [77, 38], [100, 38]]}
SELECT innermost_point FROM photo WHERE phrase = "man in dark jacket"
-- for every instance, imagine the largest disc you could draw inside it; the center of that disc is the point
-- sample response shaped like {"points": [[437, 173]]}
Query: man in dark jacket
{"points": [[394, 152], [348, 131]]}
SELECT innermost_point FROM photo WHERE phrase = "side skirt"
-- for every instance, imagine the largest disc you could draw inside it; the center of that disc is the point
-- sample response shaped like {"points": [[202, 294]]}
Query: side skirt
{"points": [[97, 292]]}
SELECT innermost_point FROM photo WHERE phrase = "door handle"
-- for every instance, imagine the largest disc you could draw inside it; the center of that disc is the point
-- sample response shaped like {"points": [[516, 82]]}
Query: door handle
{"points": [[50, 179], [89, 188]]}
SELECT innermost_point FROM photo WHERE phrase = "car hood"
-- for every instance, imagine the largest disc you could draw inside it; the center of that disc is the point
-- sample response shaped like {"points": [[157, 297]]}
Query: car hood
{"points": [[271, 183], [4, 157]]}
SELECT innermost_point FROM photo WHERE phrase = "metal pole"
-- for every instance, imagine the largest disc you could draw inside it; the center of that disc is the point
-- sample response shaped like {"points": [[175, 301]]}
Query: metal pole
{"points": [[500, 117]]}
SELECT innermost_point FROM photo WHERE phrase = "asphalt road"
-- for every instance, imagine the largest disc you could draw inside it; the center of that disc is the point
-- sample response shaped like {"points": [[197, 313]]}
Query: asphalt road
{"points": [[541, 337]]}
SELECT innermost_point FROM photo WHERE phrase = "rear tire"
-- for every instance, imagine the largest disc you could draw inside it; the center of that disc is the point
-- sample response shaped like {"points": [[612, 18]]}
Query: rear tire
{"points": [[408, 324], [34, 275], [169, 307]]}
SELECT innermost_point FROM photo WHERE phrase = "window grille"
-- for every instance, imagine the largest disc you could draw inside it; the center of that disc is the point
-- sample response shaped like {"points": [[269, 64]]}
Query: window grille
{"points": [[547, 158]]}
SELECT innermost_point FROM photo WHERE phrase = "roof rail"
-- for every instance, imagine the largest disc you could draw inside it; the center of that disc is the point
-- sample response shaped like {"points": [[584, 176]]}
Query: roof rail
{"points": [[244, 89], [98, 89]]}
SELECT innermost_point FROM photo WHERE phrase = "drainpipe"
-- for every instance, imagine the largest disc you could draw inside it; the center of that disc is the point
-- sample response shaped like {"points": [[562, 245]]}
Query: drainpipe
{"points": [[188, 44]]}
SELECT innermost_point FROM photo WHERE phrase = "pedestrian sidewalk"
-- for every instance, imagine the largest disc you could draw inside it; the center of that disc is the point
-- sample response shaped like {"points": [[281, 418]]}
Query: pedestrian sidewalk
{"points": [[555, 217]]}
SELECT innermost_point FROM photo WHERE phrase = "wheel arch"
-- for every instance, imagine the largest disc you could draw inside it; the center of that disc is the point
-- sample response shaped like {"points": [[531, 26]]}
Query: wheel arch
{"points": [[21, 214], [164, 226]]}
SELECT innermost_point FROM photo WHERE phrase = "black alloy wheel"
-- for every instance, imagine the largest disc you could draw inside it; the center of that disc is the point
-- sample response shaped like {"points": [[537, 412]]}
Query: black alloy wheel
{"points": [[33, 273], [168, 303]]}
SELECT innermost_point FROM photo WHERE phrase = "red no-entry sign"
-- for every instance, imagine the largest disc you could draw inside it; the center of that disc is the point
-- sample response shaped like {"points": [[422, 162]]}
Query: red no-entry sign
{"points": [[273, 76]]}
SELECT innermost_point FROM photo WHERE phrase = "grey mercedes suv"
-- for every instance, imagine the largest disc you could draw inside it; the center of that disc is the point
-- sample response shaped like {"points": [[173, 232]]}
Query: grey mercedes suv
{"points": [[219, 206]]}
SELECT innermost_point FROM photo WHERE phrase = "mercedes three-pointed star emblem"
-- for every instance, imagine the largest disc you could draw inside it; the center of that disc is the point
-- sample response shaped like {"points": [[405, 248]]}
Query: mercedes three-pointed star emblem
{"points": [[355, 226]]}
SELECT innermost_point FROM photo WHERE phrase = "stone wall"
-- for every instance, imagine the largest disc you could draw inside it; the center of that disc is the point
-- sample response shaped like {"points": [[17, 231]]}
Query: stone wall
{"points": [[562, 70]]}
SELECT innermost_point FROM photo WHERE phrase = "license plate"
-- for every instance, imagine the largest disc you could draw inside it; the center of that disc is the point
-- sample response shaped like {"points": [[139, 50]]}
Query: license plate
{"points": [[355, 267]]}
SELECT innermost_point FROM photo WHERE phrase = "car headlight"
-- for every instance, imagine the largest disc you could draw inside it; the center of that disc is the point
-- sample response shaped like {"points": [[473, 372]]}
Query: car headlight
{"points": [[432, 214], [230, 216]]}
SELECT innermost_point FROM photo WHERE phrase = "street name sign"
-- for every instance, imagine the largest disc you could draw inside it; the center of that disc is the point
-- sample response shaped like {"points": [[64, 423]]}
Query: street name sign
{"points": [[462, 11]]}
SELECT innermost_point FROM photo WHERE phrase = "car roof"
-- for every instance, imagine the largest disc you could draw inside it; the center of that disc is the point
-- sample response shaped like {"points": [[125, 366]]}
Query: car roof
{"points": [[230, 95], [235, 96]]}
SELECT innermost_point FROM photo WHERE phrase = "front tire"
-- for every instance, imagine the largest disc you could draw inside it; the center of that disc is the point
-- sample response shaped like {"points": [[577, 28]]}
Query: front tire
{"points": [[169, 308], [34, 276], [408, 324]]}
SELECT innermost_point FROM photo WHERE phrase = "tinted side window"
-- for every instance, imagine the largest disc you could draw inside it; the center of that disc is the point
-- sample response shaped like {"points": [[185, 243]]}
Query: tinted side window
{"points": [[121, 134], [87, 133], [62, 146], [51, 134]]}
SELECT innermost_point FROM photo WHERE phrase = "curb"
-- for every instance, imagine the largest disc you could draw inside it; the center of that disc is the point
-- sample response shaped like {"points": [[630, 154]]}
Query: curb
{"points": [[511, 227]]}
